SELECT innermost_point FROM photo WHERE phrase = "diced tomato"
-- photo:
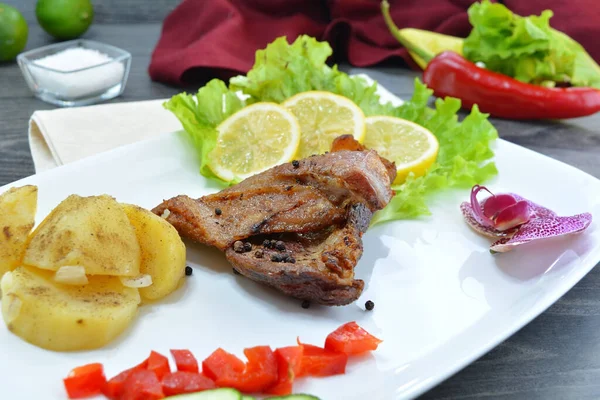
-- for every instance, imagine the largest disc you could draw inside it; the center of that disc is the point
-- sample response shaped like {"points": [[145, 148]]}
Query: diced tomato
{"points": [[185, 360], [351, 339], [317, 361], [85, 381], [142, 385], [222, 366], [180, 382], [158, 364], [289, 363], [113, 389]]}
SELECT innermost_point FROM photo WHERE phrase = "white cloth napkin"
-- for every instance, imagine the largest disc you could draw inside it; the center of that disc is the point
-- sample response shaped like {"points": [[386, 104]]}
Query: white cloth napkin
{"points": [[64, 135], [61, 136]]}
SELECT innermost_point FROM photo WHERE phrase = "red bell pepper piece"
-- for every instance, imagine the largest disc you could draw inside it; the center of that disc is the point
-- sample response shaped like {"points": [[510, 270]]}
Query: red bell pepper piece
{"points": [[450, 74], [142, 385], [85, 381], [158, 364], [185, 360], [229, 371], [317, 361], [351, 339], [261, 370], [289, 364], [180, 382], [222, 366], [113, 389]]}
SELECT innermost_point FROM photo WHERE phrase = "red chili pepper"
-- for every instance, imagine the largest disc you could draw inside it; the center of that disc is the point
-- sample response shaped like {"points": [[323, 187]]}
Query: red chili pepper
{"points": [[450, 74]]}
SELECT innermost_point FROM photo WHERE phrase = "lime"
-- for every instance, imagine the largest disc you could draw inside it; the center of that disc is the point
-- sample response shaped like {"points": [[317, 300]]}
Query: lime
{"points": [[13, 32], [65, 19]]}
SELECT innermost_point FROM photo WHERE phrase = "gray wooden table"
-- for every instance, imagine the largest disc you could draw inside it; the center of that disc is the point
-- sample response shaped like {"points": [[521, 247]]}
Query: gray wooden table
{"points": [[556, 356]]}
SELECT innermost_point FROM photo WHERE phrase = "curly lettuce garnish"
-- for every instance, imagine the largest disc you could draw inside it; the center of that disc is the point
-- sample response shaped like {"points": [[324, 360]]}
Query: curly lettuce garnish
{"points": [[283, 69], [527, 48]]}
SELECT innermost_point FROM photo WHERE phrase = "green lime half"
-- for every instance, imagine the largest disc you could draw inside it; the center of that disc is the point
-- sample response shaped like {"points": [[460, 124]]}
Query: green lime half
{"points": [[13, 32], [65, 19]]}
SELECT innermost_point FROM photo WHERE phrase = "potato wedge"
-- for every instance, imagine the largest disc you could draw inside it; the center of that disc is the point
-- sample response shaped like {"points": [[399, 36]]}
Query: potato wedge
{"points": [[65, 317], [17, 217], [163, 252], [93, 232]]}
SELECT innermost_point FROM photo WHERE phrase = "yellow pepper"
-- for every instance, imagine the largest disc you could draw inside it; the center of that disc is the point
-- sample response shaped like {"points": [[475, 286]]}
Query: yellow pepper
{"points": [[433, 42]]}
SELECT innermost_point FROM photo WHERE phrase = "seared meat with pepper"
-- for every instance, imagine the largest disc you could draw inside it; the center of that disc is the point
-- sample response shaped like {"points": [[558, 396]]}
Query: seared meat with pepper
{"points": [[318, 208], [316, 266]]}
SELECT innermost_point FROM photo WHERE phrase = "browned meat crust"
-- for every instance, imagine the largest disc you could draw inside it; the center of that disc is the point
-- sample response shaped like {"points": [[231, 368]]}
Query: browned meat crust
{"points": [[317, 208], [317, 266], [347, 142]]}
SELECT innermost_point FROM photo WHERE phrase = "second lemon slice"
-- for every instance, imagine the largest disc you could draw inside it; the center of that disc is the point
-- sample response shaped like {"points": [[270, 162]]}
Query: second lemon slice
{"points": [[323, 116], [412, 147], [253, 140]]}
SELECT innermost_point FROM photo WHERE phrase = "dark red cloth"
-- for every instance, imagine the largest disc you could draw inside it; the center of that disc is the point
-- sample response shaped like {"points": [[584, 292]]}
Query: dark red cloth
{"points": [[202, 39]]}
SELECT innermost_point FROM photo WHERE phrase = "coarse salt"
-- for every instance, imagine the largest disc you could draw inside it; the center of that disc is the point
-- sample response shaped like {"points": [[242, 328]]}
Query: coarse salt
{"points": [[69, 74]]}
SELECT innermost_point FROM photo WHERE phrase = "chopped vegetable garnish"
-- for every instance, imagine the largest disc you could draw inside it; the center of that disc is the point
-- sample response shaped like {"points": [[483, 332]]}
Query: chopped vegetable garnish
{"points": [[267, 371], [142, 385], [158, 364], [185, 360], [317, 361], [516, 221], [351, 339], [85, 381], [115, 386], [222, 367], [289, 364], [180, 382]]}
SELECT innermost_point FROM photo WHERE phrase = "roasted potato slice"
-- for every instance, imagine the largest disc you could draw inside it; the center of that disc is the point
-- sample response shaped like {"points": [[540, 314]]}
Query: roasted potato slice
{"points": [[17, 216], [93, 232], [163, 252], [65, 317]]}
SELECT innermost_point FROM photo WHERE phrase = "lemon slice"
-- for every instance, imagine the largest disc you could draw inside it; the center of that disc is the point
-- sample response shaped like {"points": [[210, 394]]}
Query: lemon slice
{"points": [[412, 147], [323, 116], [253, 140]]}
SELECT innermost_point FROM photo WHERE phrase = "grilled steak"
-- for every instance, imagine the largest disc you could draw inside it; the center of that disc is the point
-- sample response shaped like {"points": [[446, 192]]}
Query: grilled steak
{"points": [[316, 266], [315, 210]]}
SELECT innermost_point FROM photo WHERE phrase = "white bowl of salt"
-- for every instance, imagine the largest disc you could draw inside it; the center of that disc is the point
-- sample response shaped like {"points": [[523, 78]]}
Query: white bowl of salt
{"points": [[75, 73]]}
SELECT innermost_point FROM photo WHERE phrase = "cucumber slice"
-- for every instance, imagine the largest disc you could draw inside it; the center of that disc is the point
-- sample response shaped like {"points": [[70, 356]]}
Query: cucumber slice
{"points": [[295, 397], [213, 394], [248, 398]]}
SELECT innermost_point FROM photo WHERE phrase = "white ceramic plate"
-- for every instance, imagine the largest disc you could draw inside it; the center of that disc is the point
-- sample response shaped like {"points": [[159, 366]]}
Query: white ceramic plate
{"points": [[441, 299]]}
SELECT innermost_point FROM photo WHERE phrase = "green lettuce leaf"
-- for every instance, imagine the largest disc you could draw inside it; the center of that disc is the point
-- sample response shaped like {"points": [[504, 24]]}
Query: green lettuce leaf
{"points": [[201, 114], [282, 70], [463, 158], [526, 48]]}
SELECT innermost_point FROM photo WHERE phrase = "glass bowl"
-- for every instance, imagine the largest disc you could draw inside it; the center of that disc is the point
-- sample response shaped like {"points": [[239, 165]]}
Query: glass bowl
{"points": [[76, 87]]}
